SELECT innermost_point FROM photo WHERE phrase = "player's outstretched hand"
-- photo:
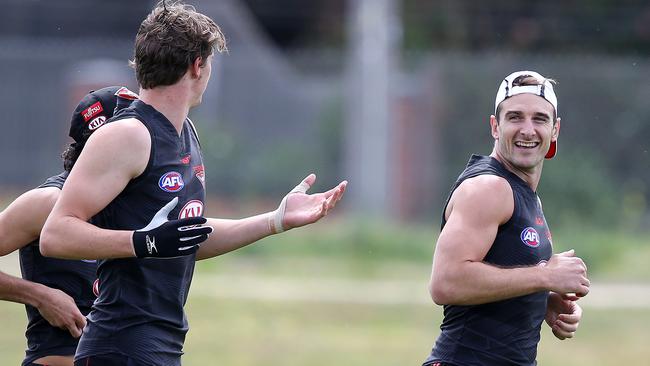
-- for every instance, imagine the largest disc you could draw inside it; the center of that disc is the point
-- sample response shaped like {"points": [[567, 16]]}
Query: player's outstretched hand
{"points": [[60, 311], [563, 315], [299, 208], [166, 239]]}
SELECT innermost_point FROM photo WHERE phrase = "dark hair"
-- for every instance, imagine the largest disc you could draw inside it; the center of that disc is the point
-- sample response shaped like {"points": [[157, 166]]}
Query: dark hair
{"points": [[525, 80], [169, 40], [70, 155], [72, 152]]}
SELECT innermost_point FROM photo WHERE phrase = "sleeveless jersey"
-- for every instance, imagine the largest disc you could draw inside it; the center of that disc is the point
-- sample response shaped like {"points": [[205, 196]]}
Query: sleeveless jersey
{"points": [[73, 277], [504, 332], [139, 310]]}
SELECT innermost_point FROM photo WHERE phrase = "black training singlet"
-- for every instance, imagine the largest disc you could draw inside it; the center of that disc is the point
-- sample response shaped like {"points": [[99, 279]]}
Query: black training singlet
{"points": [[504, 332], [139, 311], [74, 277]]}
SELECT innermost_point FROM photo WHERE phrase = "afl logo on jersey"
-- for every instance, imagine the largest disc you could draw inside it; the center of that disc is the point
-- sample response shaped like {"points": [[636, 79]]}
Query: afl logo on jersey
{"points": [[530, 237], [96, 123], [171, 182], [193, 208]]}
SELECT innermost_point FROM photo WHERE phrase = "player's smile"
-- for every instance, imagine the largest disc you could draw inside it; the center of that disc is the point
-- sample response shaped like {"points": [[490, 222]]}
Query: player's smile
{"points": [[527, 144]]}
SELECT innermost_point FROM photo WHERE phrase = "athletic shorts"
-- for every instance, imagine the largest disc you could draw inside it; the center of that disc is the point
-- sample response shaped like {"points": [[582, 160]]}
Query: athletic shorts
{"points": [[111, 359]]}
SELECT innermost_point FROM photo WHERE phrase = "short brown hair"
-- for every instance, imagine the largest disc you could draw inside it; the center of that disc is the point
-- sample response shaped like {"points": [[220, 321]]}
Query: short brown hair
{"points": [[525, 80], [169, 40]]}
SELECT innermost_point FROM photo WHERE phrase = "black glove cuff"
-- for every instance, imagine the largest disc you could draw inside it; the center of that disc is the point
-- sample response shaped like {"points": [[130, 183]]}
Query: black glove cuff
{"points": [[144, 244]]}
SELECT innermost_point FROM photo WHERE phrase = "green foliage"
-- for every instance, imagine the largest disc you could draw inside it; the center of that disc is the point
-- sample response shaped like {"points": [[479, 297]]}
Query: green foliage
{"points": [[249, 164], [353, 240], [577, 190], [620, 255], [585, 26], [362, 248]]}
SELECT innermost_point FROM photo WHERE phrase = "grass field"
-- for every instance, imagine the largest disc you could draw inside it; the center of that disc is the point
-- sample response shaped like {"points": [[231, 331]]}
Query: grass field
{"points": [[234, 324], [355, 294]]}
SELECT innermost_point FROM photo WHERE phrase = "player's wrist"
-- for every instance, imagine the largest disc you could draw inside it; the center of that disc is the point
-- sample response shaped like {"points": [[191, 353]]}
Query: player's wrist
{"points": [[277, 217], [144, 244], [543, 277], [270, 217], [41, 295], [132, 243]]}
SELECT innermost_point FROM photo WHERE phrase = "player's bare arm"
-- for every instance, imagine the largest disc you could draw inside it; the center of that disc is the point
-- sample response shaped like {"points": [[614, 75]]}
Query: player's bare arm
{"points": [[115, 154], [298, 208], [20, 224], [22, 220], [475, 211]]}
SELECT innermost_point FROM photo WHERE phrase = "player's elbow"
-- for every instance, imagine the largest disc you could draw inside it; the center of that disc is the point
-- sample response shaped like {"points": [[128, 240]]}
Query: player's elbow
{"points": [[49, 240], [439, 292], [443, 288], [46, 243]]}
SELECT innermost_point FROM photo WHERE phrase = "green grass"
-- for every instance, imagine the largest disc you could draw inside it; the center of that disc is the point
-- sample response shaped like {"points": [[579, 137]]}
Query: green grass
{"points": [[247, 333], [605, 338], [240, 332], [255, 332]]}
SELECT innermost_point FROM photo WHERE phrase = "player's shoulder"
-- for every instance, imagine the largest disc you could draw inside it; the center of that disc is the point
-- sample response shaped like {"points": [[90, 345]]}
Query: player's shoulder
{"points": [[488, 193], [43, 198], [30, 206], [124, 134], [488, 185], [127, 125]]}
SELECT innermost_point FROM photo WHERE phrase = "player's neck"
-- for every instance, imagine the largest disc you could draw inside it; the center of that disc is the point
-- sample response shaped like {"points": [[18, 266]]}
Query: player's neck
{"points": [[530, 176], [171, 101]]}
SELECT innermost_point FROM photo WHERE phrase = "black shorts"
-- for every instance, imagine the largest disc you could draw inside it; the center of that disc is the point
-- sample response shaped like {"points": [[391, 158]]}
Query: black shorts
{"points": [[111, 359]]}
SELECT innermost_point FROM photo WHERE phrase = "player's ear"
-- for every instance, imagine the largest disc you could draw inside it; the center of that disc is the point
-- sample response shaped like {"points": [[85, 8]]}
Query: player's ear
{"points": [[494, 127], [556, 129], [195, 68]]}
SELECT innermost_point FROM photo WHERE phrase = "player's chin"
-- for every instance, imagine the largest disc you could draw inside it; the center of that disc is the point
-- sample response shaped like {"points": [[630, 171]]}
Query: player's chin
{"points": [[526, 162]]}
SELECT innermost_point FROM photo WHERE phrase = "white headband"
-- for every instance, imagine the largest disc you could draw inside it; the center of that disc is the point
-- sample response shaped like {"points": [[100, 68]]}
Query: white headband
{"points": [[506, 89]]}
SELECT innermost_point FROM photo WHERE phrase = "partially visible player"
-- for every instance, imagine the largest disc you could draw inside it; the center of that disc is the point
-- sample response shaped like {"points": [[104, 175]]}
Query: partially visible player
{"points": [[57, 293]]}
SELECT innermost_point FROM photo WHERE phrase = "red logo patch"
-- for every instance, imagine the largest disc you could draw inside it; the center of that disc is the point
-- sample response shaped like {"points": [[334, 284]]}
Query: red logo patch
{"points": [[126, 94], [186, 160], [539, 221], [199, 171], [549, 236], [193, 208], [92, 111]]}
